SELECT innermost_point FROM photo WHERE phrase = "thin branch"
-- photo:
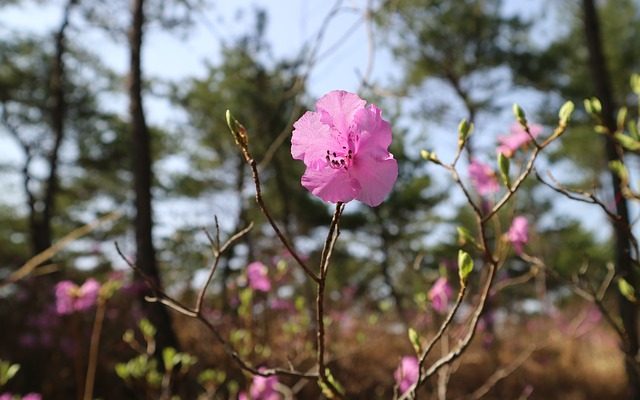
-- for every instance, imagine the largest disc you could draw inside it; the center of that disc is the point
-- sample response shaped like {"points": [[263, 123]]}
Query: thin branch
{"points": [[216, 260], [272, 222], [161, 297], [329, 244], [28, 267], [503, 372], [94, 348]]}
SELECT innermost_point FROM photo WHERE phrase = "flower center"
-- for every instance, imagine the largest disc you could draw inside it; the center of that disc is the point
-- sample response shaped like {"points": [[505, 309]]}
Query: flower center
{"points": [[340, 159]]}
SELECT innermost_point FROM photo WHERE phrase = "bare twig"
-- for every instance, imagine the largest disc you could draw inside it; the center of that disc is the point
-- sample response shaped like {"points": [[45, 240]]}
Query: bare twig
{"points": [[216, 260], [329, 244], [162, 297], [94, 348], [28, 267]]}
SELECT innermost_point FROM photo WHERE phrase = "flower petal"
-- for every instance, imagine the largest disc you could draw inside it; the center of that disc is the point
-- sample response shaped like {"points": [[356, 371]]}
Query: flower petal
{"points": [[338, 109], [375, 133], [311, 139], [333, 185], [375, 176]]}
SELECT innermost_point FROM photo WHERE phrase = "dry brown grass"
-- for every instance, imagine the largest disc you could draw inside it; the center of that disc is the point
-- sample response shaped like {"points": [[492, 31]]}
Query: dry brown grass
{"points": [[562, 367]]}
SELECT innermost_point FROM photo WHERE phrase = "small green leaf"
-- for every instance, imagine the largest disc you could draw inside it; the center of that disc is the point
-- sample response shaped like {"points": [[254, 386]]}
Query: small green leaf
{"points": [[12, 371], [128, 336], [169, 358], [122, 371], [147, 328], [619, 169], [503, 165], [633, 129], [415, 341], [635, 83], [626, 290], [601, 129], [596, 105], [565, 112], [465, 265], [627, 142], [587, 106], [621, 118], [464, 236]]}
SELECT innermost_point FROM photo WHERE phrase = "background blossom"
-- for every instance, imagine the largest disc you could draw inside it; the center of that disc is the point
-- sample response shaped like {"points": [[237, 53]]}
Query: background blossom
{"points": [[71, 298], [407, 373], [257, 277], [440, 294], [518, 137], [483, 178], [518, 234]]}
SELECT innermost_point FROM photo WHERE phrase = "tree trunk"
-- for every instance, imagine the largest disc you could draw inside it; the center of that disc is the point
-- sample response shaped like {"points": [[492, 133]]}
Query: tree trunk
{"points": [[40, 219], [624, 265], [142, 173]]}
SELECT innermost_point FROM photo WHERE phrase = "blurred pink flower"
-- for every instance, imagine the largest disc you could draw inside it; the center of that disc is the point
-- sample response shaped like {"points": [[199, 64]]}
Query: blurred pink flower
{"points": [[28, 396], [518, 137], [262, 388], [344, 145], [440, 294], [483, 178], [283, 305], [71, 298], [518, 234], [258, 278], [407, 373]]}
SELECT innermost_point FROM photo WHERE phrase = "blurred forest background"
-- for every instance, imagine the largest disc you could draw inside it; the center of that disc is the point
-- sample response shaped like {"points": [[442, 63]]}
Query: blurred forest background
{"points": [[90, 125]]}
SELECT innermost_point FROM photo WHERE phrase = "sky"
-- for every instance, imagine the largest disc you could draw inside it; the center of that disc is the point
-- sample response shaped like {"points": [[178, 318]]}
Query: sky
{"points": [[344, 56]]}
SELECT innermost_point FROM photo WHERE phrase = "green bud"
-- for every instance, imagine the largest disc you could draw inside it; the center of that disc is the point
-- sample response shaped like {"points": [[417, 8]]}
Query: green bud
{"points": [[565, 112], [429, 155], [587, 106], [464, 130], [619, 169], [519, 113], [503, 165], [633, 129], [635, 83], [465, 266], [238, 131], [415, 340], [627, 142], [596, 105], [626, 290], [621, 118], [601, 129]]}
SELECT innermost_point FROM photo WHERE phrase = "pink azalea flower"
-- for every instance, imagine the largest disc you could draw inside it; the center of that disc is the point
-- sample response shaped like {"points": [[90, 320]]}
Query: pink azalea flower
{"points": [[32, 396], [258, 278], [262, 388], [518, 234], [407, 373], [518, 138], [71, 298], [483, 178], [344, 145], [440, 294], [6, 396]]}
